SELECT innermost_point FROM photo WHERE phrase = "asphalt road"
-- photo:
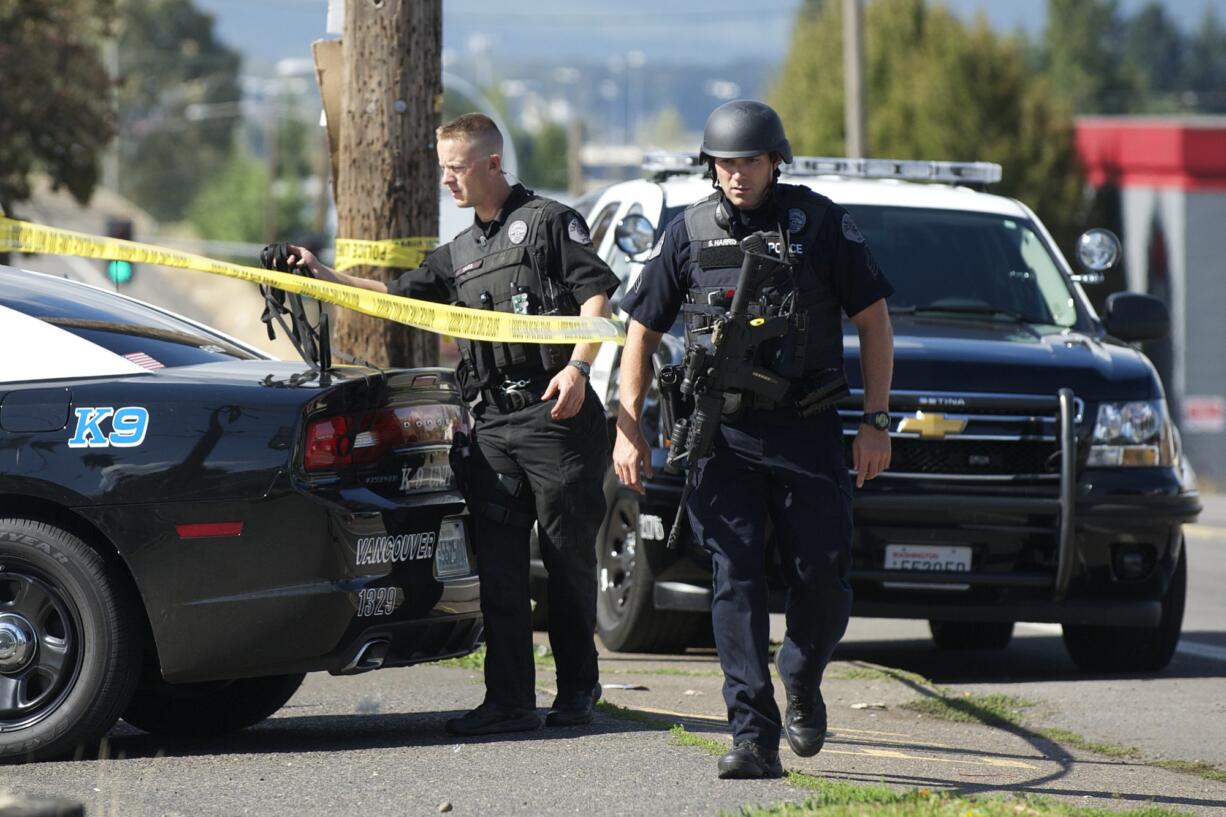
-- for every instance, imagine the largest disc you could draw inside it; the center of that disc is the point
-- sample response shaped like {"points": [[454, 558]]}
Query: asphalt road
{"points": [[375, 745]]}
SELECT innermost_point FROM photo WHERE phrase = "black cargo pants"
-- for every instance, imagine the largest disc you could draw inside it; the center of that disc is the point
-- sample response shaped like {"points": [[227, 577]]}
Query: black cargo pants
{"points": [[791, 470], [526, 467]]}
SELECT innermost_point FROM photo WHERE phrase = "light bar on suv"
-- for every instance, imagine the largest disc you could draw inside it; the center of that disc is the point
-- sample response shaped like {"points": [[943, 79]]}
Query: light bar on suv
{"points": [[661, 163]]}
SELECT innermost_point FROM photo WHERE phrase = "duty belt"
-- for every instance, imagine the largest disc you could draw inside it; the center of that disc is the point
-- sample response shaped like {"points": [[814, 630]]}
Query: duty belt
{"points": [[515, 394]]}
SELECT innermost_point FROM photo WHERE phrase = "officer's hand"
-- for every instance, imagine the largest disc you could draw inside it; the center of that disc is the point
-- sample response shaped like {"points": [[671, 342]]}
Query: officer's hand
{"points": [[303, 261], [570, 387], [630, 452], [870, 453]]}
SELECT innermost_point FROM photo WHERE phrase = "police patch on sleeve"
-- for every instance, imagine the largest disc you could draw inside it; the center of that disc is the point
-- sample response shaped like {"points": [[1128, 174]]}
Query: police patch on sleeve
{"points": [[517, 232], [656, 250], [850, 231], [578, 232], [796, 220]]}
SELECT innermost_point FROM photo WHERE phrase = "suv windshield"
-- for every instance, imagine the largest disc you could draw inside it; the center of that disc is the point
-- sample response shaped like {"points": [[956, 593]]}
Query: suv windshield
{"points": [[966, 263]]}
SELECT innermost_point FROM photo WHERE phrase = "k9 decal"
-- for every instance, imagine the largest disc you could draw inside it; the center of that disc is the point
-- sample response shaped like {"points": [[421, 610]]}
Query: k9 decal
{"points": [[128, 426], [377, 601]]}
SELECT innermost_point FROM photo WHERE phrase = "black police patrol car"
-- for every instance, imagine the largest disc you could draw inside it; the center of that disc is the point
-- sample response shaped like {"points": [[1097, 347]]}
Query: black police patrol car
{"points": [[188, 526], [1036, 473]]}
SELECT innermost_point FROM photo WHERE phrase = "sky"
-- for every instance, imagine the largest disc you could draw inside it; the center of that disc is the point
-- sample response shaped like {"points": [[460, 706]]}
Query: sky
{"points": [[692, 31]]}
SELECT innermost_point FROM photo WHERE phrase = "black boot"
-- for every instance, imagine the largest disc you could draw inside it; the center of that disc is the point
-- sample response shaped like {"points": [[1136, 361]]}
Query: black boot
{"points": [[749, 761], [491, 719], [804, 725], [573, 708]]}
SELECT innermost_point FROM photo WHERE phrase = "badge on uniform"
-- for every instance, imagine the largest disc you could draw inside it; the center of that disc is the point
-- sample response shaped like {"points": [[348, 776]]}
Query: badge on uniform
{"points": [[850, 231], [656, 250], [577, 232], [797, 220], [517, 232]]}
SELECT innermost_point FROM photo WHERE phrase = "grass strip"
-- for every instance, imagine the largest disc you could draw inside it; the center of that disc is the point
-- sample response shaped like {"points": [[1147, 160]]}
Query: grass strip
{"points": [[1006, 712], [1003, 711], [847, 800]]}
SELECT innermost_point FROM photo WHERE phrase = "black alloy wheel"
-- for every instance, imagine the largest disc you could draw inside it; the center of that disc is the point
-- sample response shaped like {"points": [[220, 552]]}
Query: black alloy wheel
{"points": [[626, 617], [69, 642]]}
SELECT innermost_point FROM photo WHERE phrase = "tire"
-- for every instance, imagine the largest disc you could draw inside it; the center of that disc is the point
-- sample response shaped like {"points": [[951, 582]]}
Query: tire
{"points": [[1133, 649], [626, 618], [71, 639], [209, 708], [971, 635]]}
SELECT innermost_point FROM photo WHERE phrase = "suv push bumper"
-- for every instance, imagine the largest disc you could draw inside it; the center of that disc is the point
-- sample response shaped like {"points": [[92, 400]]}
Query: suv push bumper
{"points": [[1072, 583]]}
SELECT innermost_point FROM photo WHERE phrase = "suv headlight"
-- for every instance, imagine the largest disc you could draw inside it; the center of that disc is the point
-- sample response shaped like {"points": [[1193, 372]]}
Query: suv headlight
{"points": [[1136, 433]]}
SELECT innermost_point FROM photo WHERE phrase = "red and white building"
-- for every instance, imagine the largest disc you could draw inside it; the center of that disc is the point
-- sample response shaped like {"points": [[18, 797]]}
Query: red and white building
{"points": [[1170, 176]]}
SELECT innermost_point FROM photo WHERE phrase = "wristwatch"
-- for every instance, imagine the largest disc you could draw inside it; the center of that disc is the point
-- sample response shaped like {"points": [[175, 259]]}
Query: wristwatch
{"points": [[879, 420], [582, 366]]}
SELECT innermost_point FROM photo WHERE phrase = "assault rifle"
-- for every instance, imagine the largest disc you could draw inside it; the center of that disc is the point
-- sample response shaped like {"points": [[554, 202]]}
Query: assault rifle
{"points": [[710, 375]]}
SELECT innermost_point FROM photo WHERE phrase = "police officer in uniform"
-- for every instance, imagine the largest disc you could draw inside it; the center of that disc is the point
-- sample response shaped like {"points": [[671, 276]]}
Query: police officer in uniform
{"points": [[784, 460], [541, 443]]}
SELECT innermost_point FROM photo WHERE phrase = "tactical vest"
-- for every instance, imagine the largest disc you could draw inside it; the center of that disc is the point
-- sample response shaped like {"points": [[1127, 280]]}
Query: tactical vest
{"points": [[814, 343], [508, 273]]}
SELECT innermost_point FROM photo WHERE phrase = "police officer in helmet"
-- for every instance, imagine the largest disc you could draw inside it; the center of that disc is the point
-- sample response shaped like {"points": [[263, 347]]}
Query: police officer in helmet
{"points": [[780, 460], [541, 446]]}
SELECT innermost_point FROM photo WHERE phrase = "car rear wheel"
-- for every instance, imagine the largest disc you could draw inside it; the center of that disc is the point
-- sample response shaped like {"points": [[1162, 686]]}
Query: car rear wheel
{"points": [[209, 708], [626, 617], [70, 642], [1133, 649], [971, 635]]}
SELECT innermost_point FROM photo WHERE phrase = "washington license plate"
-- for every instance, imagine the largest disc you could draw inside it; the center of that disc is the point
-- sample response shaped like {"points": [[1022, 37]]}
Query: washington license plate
{"points": [[935, 558], [451, 553]]}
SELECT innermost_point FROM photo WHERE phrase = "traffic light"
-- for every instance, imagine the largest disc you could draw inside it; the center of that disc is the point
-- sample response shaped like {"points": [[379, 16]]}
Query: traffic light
{"points": [[119, 272]]}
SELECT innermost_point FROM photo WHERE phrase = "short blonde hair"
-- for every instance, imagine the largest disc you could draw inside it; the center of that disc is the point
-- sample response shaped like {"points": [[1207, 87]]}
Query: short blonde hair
{"points": [[476, 128]]}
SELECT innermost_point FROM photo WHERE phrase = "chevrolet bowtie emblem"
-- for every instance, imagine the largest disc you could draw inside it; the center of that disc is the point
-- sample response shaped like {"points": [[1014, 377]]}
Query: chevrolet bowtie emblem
{"points": [[930, 426]]}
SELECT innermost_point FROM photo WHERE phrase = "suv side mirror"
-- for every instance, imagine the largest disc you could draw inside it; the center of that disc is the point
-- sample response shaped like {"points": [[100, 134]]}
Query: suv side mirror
{"points": [[1132, 317], [1098, 250], [634, 234]]}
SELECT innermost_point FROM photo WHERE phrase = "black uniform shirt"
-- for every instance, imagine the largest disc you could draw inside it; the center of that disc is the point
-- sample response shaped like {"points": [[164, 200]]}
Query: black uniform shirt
{"points": [[570, 256], [661, 288]]}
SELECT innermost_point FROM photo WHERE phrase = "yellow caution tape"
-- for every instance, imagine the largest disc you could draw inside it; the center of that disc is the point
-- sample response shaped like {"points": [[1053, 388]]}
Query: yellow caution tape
{"points": [[474, 324], [406, 253]]}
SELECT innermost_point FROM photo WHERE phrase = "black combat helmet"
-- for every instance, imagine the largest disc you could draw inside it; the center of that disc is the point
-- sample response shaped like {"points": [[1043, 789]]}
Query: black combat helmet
{"points": [[744, 127]]}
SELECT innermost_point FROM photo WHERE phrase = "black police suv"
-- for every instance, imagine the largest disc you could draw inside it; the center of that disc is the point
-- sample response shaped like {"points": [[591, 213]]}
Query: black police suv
{"points": [[1036, 475], [188, 526]]}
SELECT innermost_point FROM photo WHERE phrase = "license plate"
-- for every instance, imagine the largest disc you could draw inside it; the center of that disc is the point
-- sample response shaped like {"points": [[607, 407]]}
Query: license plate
{"points": [[451, 554], [935, 558]]}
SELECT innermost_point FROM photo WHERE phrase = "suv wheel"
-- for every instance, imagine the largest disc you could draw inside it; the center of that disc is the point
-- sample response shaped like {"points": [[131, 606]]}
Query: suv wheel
{"points": [[210, 708], [1133, 649], [626, 618], [971, 635], [70, 642]]}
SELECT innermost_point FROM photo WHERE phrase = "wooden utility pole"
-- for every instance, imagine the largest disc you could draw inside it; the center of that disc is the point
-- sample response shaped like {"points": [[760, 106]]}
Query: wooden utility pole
{"points": [[387, 168], [855, 113]]}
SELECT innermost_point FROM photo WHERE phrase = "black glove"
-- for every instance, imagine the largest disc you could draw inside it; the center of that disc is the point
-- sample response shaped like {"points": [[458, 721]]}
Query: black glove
{"points": [[275, 257]]}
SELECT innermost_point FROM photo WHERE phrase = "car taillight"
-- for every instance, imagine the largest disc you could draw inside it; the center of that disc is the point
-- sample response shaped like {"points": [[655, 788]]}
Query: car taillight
{"points": [[333, 443], [328, 444]]}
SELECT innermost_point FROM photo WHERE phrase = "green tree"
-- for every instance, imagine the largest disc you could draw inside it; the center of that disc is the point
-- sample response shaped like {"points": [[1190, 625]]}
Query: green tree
{"points": [[1083, 55], [231, 204], [178, 101], [542, 156], [55, 98], [1205, 65], [937, 89], [1153, 49]]}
